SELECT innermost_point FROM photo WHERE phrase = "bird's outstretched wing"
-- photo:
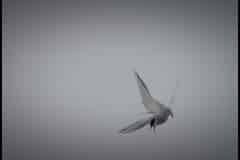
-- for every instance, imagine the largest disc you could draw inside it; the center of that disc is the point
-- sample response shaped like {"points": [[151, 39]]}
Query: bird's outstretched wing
{"points": [[135, 126], [147, 99]]}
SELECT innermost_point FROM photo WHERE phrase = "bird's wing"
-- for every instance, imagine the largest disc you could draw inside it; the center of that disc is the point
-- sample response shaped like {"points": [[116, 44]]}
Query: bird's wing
{"points": [[135, 126], [147, 99]]}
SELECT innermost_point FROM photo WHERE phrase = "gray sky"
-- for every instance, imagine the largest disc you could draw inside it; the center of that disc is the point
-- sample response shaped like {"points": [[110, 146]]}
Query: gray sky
{"points": [[68, 85]]}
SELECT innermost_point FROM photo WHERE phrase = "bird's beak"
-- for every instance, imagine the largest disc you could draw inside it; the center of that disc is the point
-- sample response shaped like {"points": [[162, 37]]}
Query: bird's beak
{"points": [[171, 114]]}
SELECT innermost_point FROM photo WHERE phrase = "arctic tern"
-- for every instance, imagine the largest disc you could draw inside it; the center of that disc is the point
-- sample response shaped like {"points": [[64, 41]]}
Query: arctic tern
{"points": [[159, 111]]}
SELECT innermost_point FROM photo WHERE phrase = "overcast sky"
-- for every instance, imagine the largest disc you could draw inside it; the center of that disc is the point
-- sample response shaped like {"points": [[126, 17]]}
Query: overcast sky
{"points": [[68, 83]]}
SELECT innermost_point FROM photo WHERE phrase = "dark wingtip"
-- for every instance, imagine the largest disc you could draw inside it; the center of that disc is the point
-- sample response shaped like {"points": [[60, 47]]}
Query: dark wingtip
{"points": [[121, 132], [136, 74]]}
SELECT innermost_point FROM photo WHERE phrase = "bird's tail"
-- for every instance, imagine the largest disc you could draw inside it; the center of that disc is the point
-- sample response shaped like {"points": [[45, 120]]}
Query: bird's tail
{"points": [[135, 126]]}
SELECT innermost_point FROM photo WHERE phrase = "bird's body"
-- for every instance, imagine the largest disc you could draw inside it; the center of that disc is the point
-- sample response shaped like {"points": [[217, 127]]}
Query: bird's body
{"points": [[160, 112]]}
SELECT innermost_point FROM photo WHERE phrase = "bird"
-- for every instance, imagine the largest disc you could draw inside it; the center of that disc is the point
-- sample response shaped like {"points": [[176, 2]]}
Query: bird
{"points": [[160, 112]]}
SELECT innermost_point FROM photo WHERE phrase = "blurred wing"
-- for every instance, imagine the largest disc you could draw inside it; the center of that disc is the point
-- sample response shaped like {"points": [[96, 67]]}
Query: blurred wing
{"points": [[147, 99], [135, 126]]}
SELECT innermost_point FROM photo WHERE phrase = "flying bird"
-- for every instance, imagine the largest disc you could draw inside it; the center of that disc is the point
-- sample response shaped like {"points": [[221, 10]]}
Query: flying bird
{"points": [[159, 111]]}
